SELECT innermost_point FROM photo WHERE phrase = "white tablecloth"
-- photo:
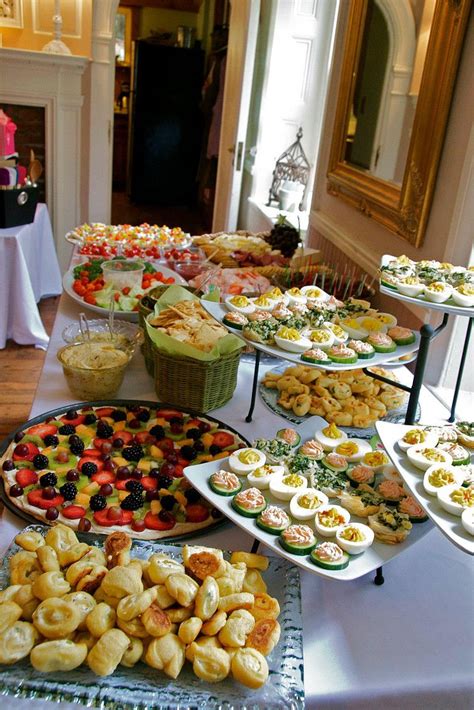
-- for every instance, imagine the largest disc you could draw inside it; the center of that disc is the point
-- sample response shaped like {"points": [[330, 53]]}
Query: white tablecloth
{"points": [[29, 271], [406, 645]]}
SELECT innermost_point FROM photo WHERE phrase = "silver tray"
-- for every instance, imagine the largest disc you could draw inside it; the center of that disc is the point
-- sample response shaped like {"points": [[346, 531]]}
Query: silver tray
{"points": [[142, 687]]}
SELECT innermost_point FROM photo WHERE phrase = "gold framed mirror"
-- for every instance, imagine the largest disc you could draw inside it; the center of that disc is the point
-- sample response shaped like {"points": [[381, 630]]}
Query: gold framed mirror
{"points": [[397, 79]]}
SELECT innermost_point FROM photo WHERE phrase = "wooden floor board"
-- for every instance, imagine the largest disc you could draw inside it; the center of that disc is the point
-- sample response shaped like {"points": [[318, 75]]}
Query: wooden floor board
{"points": [[20, 369]]}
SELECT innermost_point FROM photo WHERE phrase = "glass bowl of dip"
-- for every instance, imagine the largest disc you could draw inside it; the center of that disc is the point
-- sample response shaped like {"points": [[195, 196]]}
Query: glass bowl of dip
{"points": [[123, 273], [124, 334], [94, 370]]}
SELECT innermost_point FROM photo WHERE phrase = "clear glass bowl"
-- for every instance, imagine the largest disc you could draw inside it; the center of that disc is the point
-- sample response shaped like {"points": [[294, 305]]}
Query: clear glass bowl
{"points": [[125, 334], [94, 370], [123, 273]]}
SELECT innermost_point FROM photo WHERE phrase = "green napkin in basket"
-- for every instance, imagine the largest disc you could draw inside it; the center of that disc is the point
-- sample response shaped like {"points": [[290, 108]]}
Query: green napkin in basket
{"points": [[224, 346]]}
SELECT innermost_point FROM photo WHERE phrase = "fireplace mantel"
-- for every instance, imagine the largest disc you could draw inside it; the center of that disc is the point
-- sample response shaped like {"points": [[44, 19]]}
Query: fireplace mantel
{"points": [[54, 82]]}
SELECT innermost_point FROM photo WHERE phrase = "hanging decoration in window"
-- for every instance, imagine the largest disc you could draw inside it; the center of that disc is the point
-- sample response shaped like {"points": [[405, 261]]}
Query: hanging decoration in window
{"points": [[290, 177]]}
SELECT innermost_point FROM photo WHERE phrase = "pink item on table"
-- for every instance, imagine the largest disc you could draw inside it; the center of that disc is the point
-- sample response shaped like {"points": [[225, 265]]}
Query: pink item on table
{"points": [[7, 134], [22, 173]]}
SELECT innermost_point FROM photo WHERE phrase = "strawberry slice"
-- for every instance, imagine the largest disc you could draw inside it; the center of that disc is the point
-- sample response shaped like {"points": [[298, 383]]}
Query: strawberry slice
{"points": [[126, 437], [35, 498], [169, 414], [104, 412], [26, 477], [73, 512], [102, 477], [149, 483], [102, 517], [166, 444], [179, 470], [86, 459], [196, 513], [120, 484], [76, 421], [223, 439], [18, 454], [92, 453], [98, 443], [144, 437], [42, 430], [153, 522]]}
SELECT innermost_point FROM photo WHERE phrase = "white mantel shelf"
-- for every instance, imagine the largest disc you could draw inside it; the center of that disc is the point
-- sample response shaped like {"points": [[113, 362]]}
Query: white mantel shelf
{"points": [[55, 83]]}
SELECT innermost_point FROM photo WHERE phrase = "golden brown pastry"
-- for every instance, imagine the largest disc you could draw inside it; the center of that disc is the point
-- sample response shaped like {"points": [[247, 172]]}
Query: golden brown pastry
{"points": [[211, 664], [238, 625], [265, 607], [17, 641], [117, 549], [73, 554], [166, 654], [60, 537], [29, 540], [253, 582], [211, 641], [9, 613], [249, 667], [182, 587], [91, 581], [161, 566], [189, 629], [122, 581], [24, 567], [214, 624], [50, 584], [58, 655], [48, 559], [251, 559], [156, 621], [107, 653], [85, 603], [55, 618], [135, 604], [100, 619], [207, 599], [264, 636], [8, 594], [241, 600], [133, 653], [134, 628]]}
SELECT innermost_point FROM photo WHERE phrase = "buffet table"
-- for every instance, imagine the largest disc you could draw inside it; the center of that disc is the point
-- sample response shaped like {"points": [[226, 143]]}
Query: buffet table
{"points": [[29, 271], [407, 644]]}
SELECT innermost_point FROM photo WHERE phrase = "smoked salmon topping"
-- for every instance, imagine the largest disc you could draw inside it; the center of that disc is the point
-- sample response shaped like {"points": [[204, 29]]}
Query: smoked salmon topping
{"points": [[298, 535], [250, 499]]}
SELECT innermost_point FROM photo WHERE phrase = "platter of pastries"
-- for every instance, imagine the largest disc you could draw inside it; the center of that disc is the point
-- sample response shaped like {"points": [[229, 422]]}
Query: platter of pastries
{"points": [[311, 327], [92, 620], [351, 399], [114, 465], [433, 284], [437, 465], [328, 503]]}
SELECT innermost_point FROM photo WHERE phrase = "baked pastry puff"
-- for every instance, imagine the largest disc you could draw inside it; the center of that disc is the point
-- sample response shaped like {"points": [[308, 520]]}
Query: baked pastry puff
{"points": [[60, 537], [133, 653], [249, 667], [211, 664], [17, 641], [166, 654], [55, 618], [58, 655], [50, 584], [9, 613], [107, 653], [122, 581], [30, 540], [135, 604], [100, 619]]}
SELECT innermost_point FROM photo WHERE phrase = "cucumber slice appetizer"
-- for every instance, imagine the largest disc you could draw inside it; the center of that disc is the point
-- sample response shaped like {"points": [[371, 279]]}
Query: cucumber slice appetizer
{"points": [[388, 347], [320, 558], [220, 490], [297, 549], [405, 341], [354, 483], [341, 356], [270, 528], [232, 324], [254, 513], [315, 360], [281, 435], [335, 467]]}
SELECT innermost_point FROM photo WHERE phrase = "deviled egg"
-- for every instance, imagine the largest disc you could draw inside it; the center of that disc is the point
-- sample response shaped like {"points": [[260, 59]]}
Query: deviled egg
{"points": [[454, 499], [467, 520], [354, 328], [313, 293], [354, 538], [304, 505], [438, 476], [261, 476], [463, 295], [375, 460], [410, 286], [438, 291], [417, 435], [277, 295], [330, 437], [244, 461], [295, 295], [372, 324], [240, 304], [264, 303], [423, 456], [291, 340], [340, 335], [322, 337], [329, 518], [284, 487], [353, 449], [387, 319]]}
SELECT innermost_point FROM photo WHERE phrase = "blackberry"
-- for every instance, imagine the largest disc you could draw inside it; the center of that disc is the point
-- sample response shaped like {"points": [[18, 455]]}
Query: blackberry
{"points": [[166, 516], [98, 502], [72, 414], [199, 446], [214, 449], [157, 431], [104, 430], [89, 468], [143, 415], [167, 502], [132, 453], [134, 501], [68, 491], [193, 434], [48, 479], [40, 461], [216, 513], [118, 416], [188, 452], [164, 481], [51, 440], [154, 472], [77, 448], [66, 429], [134, 487], [90, 419], [192, 495]]}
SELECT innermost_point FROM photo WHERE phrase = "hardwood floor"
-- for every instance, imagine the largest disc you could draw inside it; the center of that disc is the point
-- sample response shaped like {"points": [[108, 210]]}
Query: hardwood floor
{"points": [[20, 369]]}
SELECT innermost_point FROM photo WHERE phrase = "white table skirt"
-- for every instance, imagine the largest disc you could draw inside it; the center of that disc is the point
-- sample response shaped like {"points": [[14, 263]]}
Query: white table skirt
{"points": [[406, 645], [29, 271]]}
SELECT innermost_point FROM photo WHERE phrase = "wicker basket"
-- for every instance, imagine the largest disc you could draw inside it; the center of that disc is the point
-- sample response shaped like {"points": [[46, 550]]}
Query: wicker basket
{"points": [[194, 384], [146, 307]]}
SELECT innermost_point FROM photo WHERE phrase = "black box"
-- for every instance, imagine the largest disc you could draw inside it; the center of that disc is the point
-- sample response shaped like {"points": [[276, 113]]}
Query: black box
{"points": [[18, 206]]}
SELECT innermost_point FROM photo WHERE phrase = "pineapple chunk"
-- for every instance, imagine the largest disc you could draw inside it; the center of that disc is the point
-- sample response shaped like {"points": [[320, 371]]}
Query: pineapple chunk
{"points": [[155, 507], [181, 498], [156, 452], [123, 494], [185, 442], [207, 439], [83, 499], [91, 489], [220, 455], [84, 431], [120, 461], [119, 426], [204, 457], [144, 465]]}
